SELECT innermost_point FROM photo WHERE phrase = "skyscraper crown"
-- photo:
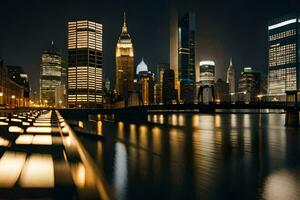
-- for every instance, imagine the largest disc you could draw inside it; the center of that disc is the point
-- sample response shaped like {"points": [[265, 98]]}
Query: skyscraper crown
{"points": [[124, 34]]}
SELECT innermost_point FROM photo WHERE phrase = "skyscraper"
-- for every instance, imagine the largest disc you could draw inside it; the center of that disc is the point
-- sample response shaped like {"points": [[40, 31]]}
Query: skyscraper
{"points": [[161, 67], [168, 90], [249, 85], [50, 75], [182, 52], [284, 58], [124, 64], [230, 78], [84, 72], [146, 83], [221, 91], [207, 81]]}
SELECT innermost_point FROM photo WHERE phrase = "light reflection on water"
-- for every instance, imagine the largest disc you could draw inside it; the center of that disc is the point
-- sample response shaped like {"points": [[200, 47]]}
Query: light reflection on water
{"points": [[222, 156]]}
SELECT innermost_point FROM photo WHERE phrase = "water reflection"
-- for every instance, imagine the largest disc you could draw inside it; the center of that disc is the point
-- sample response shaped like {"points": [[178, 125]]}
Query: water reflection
{"points": [[281, 185], [99, 127], [222, 156], [120, 173]]}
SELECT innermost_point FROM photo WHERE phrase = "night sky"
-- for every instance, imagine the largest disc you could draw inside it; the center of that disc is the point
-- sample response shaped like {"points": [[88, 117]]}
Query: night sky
{"points": [[225, 29]]}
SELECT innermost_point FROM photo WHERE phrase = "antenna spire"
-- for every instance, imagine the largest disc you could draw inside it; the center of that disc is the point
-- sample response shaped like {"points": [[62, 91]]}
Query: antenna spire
{"points": [[124, 18], [124, 28], [230, 61]]}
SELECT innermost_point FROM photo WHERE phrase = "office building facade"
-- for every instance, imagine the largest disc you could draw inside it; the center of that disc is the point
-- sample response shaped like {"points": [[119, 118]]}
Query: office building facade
{"points": [[50, 76], [249, 85], [84, 71], [11, 93], [283, 44], [18, 75]]}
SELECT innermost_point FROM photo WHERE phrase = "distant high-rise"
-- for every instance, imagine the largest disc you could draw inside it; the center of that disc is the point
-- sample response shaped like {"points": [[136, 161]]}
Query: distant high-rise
{"points": [[284, 47], [146, 83], [168, 89], [249, 85], [182, 52], [207, 81], [230, 78], [107, 86], [50, 75], [221, 91], [84, 71], [161, 67], [124, 64]]}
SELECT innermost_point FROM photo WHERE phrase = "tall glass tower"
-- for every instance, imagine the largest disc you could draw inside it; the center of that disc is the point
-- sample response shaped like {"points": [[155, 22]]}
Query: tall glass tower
{"points": [[84, 71], [50, 76], [284, 54], [124, 63], [182, 53]]}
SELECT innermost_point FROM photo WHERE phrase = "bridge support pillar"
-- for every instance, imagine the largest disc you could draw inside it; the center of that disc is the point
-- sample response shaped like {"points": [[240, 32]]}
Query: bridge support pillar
{"points": [[292, 117], [292, 113]]}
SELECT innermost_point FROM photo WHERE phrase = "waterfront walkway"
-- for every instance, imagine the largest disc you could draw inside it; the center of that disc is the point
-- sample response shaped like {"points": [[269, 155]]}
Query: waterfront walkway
{"points": [[41, 157]]}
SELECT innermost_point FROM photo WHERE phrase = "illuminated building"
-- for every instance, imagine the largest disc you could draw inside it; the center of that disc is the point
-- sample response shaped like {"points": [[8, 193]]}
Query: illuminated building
{"points": [[161, 67], [249, 85], [50, 75], [283, 40], [182, 53], [17, 74], [146, 83], [124, 64], [157, 93], [141, 67], [84, 72], [168, 89], [11, 93], [230, 79], [207, 81]]}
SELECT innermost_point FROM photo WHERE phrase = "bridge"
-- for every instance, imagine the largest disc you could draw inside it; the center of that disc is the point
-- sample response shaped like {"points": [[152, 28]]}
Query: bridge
{"points": [[140, 113]]}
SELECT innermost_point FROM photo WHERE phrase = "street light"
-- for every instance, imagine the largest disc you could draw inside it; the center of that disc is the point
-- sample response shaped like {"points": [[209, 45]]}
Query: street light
{"points": [[259, 96], [45, 101], [14, 101]]}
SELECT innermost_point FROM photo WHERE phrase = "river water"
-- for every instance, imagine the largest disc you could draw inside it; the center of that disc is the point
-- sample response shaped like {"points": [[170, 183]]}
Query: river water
{"points": [[199, 156]]}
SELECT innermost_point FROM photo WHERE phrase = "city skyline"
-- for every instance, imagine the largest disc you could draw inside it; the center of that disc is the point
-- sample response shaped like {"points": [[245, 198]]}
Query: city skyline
{"points": [[217, 41], [153, 99]]}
